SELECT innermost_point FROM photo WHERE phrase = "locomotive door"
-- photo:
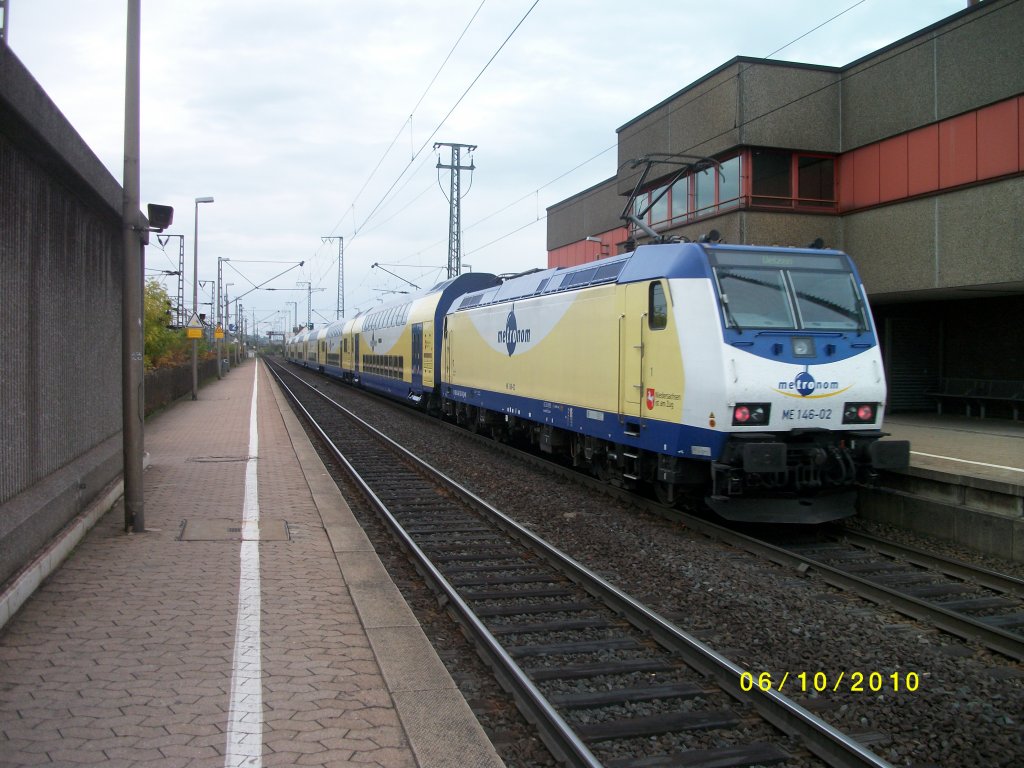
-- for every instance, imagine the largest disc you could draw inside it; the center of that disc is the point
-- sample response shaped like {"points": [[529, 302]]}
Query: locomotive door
{"points": [[356, 360], [631, 350], [417, 355]]}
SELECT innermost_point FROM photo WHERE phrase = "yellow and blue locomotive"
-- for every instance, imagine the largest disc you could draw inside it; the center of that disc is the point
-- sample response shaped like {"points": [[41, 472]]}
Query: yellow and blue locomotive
{"points": [[750, 375]]}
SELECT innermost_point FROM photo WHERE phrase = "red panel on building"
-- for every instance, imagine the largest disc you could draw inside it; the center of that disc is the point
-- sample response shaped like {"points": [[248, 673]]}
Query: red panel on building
{"points": [[998, 140], [845, 190], [1020, 133], [865, 176], [958, 150], [893, 169], [923, 160], [585, 251]]}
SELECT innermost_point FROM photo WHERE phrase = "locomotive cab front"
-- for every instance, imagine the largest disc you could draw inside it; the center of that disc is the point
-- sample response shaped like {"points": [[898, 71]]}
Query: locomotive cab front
{"points": [[804, 387]]}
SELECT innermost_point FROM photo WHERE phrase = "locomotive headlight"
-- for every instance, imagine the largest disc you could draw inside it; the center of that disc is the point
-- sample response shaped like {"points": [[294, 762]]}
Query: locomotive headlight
{"points": [[803, 346], [859, 413], [751, 414]]}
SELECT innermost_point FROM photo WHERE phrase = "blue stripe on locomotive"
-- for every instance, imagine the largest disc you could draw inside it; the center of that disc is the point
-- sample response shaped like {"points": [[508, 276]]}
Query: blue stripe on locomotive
{"points": [[656, 436]]}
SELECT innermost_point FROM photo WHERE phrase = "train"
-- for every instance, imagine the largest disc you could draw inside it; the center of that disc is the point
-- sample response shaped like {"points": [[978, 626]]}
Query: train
{"points": [[747, 377]]}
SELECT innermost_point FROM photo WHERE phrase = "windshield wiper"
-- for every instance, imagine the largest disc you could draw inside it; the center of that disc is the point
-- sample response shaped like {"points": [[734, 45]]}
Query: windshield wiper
{"points": [[728, 313]]}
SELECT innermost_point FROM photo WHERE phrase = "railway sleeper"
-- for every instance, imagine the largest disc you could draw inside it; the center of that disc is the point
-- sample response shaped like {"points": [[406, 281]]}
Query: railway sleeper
{"points": [[592, 699], [588, 646], [654, 725], [717, 757]]}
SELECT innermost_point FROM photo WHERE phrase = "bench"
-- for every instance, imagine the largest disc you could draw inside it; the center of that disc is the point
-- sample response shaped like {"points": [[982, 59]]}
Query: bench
{"points": [[980, 393]]}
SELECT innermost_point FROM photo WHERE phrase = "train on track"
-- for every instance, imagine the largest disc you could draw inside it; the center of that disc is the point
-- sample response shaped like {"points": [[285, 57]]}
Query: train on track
{"points": [[751, 376]]}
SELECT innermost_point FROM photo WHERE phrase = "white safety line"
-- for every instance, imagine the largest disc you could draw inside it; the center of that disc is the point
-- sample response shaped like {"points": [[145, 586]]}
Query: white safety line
{"points": [[967, 461], [245, 719]]}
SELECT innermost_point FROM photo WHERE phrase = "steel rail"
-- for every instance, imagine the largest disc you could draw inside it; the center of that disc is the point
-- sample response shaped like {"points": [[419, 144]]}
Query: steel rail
{"points": [[559, 737], [820, 738], [1000, 582], [994, 638], [965, 627]]}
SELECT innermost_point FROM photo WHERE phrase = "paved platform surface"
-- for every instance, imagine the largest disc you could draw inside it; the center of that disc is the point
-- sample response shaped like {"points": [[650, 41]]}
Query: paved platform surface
{"points": [[986, 449], [168, 649]]}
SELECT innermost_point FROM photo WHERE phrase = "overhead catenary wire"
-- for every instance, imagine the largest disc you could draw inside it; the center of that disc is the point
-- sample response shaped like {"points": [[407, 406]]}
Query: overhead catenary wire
{"points": [[761, 116], [682, 105], [408, 121], [358, 228], [602, 152], [440, 125]]}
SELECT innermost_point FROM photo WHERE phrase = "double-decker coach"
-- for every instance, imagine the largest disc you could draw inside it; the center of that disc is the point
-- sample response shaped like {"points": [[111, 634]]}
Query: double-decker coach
{"points": [[393, 348]]}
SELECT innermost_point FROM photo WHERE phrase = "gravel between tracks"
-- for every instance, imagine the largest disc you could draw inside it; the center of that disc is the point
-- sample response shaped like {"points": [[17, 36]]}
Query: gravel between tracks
{"points": [[969, 706]]}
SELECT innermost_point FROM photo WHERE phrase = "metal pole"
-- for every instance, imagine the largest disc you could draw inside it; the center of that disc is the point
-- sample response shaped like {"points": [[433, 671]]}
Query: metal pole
{"points": [[220, 276], [195, 304], [132, 344], [195, 296], [340, 312], [455, 204]]}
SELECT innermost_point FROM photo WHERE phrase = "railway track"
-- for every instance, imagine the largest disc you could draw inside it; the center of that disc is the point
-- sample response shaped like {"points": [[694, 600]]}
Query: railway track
{"points": [[605, 680], [965, 600]]}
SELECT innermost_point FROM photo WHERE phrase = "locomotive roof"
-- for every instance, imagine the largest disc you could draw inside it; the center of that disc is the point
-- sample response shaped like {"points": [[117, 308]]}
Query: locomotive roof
{"points": [[647, 262]]}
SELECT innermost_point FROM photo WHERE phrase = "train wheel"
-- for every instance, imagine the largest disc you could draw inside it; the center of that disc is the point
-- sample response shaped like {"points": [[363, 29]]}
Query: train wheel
{"points": [[665, 493]]}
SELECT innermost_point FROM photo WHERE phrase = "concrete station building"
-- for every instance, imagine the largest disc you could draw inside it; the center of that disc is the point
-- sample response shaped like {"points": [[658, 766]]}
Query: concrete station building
{"points": [[910, 159]]}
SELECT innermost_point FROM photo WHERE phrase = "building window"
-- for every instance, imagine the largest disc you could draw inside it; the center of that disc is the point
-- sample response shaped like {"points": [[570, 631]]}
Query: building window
{"points": [[704, 191], [791, 180], [770, 181], [659, 211], [816, 181], [729, 183], [681, 198]]}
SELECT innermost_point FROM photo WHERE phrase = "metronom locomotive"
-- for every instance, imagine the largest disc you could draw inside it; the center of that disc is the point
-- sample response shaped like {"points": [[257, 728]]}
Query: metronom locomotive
{"points": [[748, 376]]}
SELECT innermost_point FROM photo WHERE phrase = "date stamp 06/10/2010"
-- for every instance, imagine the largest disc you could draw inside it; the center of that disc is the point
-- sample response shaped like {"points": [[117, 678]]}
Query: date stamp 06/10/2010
{"points": [[841, 682]]}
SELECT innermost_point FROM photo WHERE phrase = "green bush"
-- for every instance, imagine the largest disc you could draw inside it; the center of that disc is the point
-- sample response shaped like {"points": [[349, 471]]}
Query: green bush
{"points": [[164, 346]]}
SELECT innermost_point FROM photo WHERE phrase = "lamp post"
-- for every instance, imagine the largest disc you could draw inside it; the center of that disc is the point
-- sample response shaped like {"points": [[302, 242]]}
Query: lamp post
{"points": [[218, 313], [295, 313], [132, 338], [195, 297], [226, 327]]}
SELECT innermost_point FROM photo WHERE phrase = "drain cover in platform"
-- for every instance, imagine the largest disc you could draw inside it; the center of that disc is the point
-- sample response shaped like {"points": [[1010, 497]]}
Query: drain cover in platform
{"points": [[226, 529]]}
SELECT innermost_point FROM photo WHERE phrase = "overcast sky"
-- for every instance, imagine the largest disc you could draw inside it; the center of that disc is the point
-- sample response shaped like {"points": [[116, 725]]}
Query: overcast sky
{"points": [[307, 118]]}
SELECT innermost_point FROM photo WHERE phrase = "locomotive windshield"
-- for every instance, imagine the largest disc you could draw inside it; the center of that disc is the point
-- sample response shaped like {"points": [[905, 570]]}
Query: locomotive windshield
{"points": [[788, 292]]}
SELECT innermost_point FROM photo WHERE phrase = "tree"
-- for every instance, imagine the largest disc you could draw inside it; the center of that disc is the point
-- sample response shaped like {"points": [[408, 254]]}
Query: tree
{"points": [[164, 346]]}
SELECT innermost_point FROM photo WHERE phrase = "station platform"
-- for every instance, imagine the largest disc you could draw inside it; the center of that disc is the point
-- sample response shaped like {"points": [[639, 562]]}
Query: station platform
{"points": [[965, 483], [986, 449], [251, 624]]}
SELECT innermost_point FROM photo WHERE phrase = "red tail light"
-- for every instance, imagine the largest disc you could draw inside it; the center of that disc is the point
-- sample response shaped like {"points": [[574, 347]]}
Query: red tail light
{"points": [[860, 413], [751, 414]]}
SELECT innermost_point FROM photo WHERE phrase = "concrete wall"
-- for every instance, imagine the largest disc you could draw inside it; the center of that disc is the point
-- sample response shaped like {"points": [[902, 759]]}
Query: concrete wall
{"points": [[954, 242], [700, 120], [952, 68], [592, 211], [954, 239], [60, 320]]}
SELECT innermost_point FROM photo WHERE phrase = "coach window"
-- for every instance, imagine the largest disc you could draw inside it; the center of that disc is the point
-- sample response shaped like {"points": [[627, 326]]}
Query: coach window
{"points": [[657, 311]]}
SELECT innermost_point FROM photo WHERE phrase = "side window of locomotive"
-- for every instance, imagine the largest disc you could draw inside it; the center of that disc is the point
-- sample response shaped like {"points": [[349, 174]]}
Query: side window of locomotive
{"points": [[657, 307]]}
